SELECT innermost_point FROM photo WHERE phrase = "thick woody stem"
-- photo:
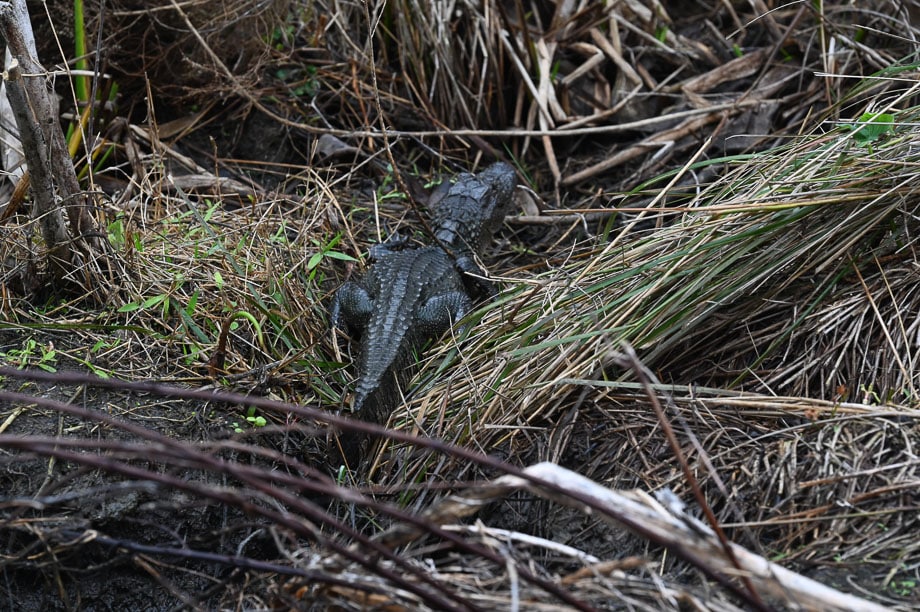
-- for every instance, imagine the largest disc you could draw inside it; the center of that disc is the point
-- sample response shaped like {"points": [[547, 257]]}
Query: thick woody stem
{"points": [[45, 208], [53, 179]]}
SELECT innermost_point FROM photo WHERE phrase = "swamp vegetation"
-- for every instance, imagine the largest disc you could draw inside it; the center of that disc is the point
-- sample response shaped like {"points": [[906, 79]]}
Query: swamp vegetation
{"points": [[703, 358]]}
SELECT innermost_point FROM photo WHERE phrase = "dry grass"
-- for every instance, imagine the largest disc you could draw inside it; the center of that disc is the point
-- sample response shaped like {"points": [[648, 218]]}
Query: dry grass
{"points": [[714, 208], [766, 300]]}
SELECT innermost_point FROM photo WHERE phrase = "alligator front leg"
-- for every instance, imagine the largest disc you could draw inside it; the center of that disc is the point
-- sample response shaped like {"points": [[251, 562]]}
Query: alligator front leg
{"points": [[474, 279]]}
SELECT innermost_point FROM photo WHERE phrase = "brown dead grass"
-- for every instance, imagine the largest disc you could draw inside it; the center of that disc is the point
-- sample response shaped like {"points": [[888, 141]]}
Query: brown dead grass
{"points": [[698, 198]]}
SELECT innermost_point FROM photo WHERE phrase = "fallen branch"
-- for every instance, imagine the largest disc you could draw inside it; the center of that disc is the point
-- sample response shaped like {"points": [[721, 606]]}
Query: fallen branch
{"points": [[637, 511]]}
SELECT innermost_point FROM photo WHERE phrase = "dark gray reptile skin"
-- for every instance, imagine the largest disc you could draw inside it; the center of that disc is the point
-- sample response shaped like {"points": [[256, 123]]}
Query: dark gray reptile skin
{"points": [[414, 295]]}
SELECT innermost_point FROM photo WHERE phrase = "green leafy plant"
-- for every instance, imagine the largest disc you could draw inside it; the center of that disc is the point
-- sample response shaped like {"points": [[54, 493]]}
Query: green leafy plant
{"points": [[119, 235], [326, 251], [388, 189], [903, 588], [282, 37], [151, 302], [81, 83], [83, 92], [32, 354], [870, 127], [252, 419], [302, 81]]}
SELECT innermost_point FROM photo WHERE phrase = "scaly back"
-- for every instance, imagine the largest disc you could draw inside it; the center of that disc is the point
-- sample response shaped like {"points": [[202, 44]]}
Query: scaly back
{"points": [[465, 219]]}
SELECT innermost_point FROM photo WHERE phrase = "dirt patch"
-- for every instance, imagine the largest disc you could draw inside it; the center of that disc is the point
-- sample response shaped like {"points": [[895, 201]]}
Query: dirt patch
{"points": [[76, 535]]}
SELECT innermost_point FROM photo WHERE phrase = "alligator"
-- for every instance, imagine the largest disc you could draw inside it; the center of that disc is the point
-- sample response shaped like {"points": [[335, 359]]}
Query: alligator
{"points": [[409, 297]]}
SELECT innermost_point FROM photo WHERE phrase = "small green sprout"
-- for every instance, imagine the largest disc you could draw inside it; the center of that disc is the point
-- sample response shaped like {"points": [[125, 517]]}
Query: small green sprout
{"points": [[326, 251], [253, 419], [870, 127]]}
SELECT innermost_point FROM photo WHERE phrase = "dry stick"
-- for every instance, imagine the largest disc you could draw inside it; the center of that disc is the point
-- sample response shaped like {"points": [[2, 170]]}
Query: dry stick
{"points": [[681, 534], [9, 420], [687, 537], [905, 373], [606, 129], [197, 555], [56, 448], [685, 128], [573, 491], [630, 360], [552, 485], [371, 28], [257, 480], [45, 208]]}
